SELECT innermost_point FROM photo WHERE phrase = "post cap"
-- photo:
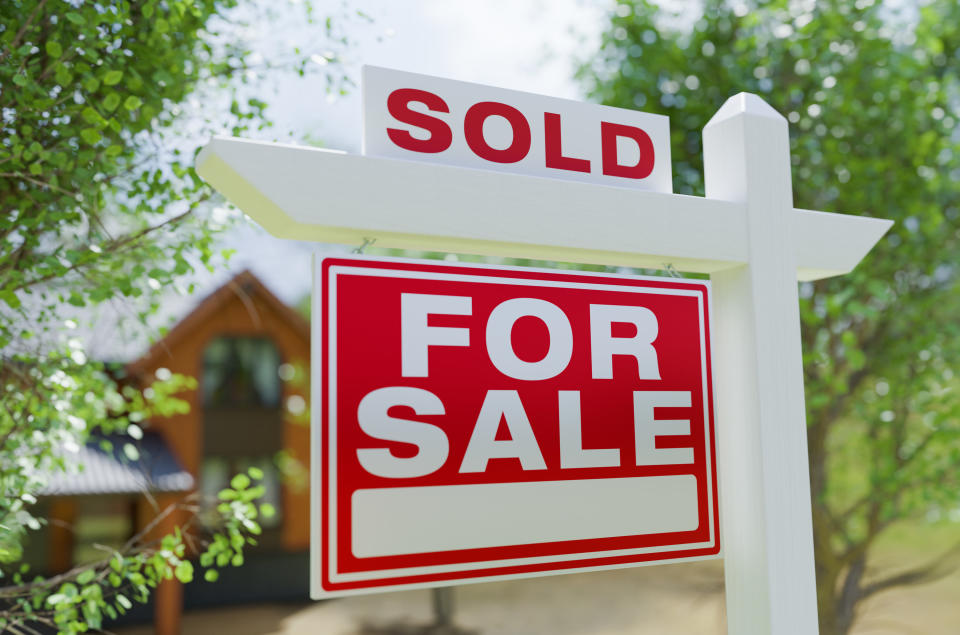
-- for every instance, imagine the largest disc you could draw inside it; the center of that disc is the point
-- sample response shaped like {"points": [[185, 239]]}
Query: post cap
{"points": [[744, 104]]}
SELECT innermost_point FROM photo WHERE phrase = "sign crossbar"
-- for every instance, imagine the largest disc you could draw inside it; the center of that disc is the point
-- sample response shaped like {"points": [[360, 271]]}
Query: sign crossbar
{"points": [[321, 195]]}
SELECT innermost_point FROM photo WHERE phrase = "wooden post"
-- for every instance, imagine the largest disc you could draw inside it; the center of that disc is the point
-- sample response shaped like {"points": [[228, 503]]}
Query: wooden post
{"points": [[443, 606], [62, 515], [168, 598], [761, 423]]}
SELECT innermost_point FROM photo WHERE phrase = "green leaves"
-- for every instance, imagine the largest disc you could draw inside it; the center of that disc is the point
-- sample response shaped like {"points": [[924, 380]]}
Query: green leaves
{"points": [[111, 78], [91, 135], [132, 102], [62, 75], [240, 482], [53, 48], [111, 101], [10, 298], [110, 588], [92, 116], [239, 511], [86, 577], [184, 571]]}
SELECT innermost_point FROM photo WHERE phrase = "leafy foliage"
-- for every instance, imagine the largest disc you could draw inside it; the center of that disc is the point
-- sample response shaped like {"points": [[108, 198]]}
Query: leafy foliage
{"points": [[871, 91], [102, 105], [81, 598]]}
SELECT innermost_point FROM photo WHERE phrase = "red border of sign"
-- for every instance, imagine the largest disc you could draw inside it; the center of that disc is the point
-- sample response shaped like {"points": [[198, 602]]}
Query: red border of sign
{"points": [[322, 586]]}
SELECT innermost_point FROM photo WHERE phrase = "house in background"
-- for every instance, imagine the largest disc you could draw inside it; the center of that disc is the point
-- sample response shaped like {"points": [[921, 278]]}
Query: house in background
{"points": [[241, 343]]}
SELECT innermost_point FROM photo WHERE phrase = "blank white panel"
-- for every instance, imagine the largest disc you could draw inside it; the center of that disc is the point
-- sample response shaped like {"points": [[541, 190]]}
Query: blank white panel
{"points": [[405, 520]]}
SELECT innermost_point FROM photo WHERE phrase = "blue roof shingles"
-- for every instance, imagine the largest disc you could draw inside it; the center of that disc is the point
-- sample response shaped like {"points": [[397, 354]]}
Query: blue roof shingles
{"points": [[93, 470]]}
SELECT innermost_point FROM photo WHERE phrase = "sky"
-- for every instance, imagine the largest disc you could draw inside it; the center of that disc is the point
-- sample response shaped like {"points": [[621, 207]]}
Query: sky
{"points": [[526, 45]]}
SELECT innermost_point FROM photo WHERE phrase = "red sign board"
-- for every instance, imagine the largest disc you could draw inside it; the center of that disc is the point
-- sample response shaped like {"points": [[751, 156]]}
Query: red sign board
{"points": [[474, 423]]}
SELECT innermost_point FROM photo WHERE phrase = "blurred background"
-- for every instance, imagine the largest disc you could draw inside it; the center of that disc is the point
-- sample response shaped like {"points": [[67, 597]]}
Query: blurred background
{"points": [[872, 96]]}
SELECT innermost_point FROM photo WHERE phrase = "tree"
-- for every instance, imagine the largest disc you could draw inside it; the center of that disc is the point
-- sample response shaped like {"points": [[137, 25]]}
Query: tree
{"points": [[871, 92], [101, 106]]}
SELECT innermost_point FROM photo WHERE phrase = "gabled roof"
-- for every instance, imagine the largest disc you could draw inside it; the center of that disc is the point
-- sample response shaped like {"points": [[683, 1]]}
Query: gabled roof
{"points": [[95, 470], [245, 286]]}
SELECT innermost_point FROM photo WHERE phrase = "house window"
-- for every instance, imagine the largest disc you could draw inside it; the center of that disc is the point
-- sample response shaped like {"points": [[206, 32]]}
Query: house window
{"points": [[243, 422], [241, 371], [102, 524]]}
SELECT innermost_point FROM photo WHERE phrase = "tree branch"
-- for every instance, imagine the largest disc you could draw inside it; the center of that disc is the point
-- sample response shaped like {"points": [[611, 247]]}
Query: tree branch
{"points": [[37, 182], [934, 570], [26, 25], [132, 546], [113, 246]]}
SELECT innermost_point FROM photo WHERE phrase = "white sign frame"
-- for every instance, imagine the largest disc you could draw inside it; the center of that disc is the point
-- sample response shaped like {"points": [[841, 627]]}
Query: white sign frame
{"points": [[745, 233]]}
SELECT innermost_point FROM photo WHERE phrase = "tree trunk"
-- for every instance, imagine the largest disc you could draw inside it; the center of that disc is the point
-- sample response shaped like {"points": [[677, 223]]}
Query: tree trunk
{"points": [[849, 595], [836, 602], [827, 605]]}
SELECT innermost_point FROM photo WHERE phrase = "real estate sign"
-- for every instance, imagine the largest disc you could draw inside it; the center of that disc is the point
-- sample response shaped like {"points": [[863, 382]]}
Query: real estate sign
{"points": [[488, 422], [476, 423]]}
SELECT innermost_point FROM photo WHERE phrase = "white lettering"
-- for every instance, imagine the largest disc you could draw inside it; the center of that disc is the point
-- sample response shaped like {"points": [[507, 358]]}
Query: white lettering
{"points": [[483, 446], [572, 453], [500, 349], [603, 346], [431, 441], [647, 427], [416, 336]]}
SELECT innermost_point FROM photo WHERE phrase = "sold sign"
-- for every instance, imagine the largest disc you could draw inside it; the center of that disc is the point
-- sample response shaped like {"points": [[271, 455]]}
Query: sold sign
{"points": [[488, 422], [410, 116]]}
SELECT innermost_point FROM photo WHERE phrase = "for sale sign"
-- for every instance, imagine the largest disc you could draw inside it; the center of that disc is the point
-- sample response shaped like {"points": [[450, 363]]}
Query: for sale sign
{"points": [[475, 423]]}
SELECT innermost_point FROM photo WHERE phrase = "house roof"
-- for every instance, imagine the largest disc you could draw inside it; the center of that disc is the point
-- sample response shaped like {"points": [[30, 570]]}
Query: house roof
{"points": [[96, 470], [245, 286]]}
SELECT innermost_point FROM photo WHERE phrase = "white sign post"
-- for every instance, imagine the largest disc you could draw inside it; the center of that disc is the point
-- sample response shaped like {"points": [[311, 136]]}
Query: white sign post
{"points": [[764, 477], [746, 234]]}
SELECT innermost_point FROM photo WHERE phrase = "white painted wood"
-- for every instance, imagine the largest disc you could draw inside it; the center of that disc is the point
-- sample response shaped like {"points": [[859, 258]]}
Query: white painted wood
{"points": [[832, 244], [311, 194], [761, 425]]}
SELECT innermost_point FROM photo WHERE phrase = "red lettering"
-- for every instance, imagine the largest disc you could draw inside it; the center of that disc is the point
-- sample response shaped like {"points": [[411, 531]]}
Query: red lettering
{"points": [[473, 131], [608, 143], [440, 134], [553, 147]]}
